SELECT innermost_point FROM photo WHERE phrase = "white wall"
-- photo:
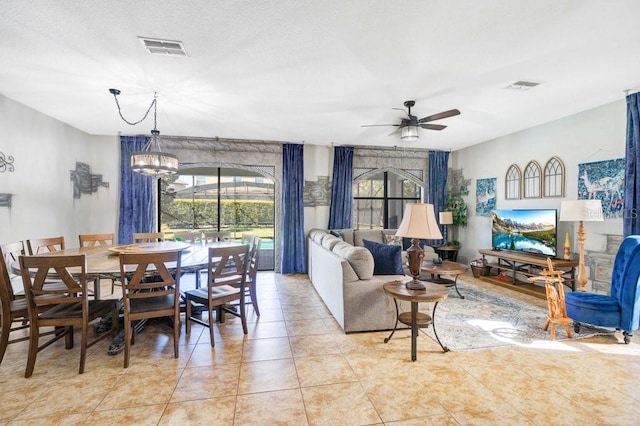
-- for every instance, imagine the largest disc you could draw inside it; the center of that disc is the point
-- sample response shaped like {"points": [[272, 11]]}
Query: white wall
{"points": [[594, 135], [45, 151], [318, 161]]}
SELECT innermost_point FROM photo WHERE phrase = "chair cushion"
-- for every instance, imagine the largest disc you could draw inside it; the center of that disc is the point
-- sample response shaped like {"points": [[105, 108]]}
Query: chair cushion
{"points": [[593, 308], [216, 292], [151, 304], [74, 310], [387, 258]]}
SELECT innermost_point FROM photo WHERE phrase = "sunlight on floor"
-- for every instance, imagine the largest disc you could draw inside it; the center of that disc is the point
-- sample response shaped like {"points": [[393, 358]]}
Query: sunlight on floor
{"points": [[506, 332]]}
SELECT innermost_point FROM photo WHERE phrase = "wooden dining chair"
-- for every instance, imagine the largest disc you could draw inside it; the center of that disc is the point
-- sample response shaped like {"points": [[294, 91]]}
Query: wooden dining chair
{"points": [[252, 273], [13, 309], [45, 245], [226, 278], [213, 236], [150, 291], [96, 240], [248, 239], [92, 240], [147, 237], [10, 254], [56, 307]]}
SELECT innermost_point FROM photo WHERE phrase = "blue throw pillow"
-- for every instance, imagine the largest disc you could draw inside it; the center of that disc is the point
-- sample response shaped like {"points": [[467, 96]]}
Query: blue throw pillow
{"points": [[387, 258]]}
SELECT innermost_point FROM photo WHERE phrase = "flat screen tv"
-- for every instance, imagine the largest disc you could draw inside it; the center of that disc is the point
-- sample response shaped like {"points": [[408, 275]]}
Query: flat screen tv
{"points": [[531, 231]]}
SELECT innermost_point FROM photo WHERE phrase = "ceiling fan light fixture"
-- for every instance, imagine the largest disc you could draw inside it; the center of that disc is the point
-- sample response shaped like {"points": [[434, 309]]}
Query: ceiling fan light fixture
{"points": [[409, 133]]}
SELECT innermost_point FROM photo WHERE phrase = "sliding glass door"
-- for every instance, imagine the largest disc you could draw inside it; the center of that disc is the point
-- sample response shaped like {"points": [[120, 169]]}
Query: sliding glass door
{"points": [[230, 201]]}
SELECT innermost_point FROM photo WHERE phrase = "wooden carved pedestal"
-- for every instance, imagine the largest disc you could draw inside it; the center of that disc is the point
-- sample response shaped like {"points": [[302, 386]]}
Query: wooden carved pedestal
{"points": [[555, 299]]}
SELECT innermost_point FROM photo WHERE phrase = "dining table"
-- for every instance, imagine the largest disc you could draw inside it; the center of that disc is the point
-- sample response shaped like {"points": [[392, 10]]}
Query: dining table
{"points": [[104, 262]]}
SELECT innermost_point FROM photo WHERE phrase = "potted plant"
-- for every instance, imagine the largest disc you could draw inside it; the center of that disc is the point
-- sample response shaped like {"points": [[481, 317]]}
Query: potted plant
{"points": [[456, 205]]}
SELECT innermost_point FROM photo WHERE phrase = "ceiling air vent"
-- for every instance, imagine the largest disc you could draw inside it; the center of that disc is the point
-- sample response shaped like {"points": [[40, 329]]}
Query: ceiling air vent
{"points": [[163, 47], [522, 85]]}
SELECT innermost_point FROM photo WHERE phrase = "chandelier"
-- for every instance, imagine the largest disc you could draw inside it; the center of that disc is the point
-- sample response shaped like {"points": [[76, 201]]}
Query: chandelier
{"points": [[151, 161]]}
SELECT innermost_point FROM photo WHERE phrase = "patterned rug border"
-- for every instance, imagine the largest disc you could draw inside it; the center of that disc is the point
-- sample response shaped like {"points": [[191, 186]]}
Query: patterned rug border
{"points": [[488, 318]]}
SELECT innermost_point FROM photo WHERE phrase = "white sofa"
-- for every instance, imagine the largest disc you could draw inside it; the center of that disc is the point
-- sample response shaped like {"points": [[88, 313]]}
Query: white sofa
{"points": [[342, 274]]}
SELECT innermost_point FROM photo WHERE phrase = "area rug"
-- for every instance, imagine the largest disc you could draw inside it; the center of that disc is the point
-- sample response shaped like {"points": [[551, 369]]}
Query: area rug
{"points": [[486, 319]]}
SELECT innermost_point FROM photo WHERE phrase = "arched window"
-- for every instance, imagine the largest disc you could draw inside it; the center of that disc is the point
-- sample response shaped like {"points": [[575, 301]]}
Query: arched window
{"points": [[513, 180], [554, 178], [532, 180], [379, 197]]}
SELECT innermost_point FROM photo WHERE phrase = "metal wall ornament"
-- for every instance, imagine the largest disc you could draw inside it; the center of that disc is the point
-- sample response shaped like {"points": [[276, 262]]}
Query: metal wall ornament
{"points": [[5, 200], [84, 182], [6, 163]]}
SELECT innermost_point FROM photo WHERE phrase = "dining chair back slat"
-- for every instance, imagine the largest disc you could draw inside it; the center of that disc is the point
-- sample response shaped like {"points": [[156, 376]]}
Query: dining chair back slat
{"points": [[96, 240], [213, 236], [45, 245], [148, 237], [10, 253], [92, 240], [252, 274]]}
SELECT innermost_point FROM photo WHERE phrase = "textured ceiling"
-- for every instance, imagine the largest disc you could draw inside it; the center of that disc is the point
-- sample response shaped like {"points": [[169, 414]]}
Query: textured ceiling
{"points": [[315, 71]]}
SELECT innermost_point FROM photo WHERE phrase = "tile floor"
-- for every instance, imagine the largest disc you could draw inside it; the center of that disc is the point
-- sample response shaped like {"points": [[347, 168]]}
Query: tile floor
{"points": [[296, 367]]}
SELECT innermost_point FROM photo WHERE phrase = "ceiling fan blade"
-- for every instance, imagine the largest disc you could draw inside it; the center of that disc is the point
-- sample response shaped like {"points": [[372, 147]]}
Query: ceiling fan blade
{"points": [[433, 126], [440, 115], [394, 132], [378, 125]]}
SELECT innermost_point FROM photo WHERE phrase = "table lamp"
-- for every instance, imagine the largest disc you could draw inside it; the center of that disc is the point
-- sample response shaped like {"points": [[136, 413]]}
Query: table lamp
{"points": [[446, 219], [418, 222], [580, 211]]}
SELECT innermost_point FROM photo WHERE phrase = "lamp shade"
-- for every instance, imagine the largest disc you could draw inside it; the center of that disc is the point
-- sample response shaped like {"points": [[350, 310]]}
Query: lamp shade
{"points": [[446, 218], [584, 210], [419, 221], [409, 133]]}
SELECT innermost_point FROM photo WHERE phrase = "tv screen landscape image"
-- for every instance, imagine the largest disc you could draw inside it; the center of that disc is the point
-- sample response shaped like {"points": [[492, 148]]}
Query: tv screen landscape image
{"points": [[531, 231]]}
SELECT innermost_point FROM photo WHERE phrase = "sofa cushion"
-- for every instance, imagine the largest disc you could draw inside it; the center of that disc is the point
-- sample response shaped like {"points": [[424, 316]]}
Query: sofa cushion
{"points": [[329, 241], [359, 258], [387, 258], [347, 234], [367, 234], [393, 239], [317, 234]]}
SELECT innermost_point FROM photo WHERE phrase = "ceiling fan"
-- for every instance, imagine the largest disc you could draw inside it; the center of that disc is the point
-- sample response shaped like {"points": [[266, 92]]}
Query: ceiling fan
{"points": [[409, 126]]}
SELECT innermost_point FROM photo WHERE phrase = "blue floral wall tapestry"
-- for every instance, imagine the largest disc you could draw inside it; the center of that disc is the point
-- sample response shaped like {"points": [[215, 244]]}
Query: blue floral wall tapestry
{"points": [[604, 181], [485, 196]]}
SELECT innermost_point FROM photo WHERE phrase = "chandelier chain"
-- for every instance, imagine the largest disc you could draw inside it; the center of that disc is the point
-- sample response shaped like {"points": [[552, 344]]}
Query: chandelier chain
{"points": [[133, 123]]}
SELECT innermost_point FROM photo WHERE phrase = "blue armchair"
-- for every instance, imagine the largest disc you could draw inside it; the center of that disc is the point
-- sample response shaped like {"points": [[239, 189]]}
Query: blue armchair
{"points": [[621, 309]]}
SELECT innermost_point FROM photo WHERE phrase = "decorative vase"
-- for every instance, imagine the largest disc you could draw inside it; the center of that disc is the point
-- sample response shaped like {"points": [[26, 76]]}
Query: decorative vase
{"points": [[567, 247]]}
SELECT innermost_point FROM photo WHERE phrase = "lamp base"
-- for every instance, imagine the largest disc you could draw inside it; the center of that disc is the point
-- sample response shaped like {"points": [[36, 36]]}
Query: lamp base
{"points": [[415, 285]]}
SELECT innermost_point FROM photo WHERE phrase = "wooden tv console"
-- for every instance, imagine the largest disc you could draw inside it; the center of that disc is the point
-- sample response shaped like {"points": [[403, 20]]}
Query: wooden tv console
{"points": [[511, 264]]}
